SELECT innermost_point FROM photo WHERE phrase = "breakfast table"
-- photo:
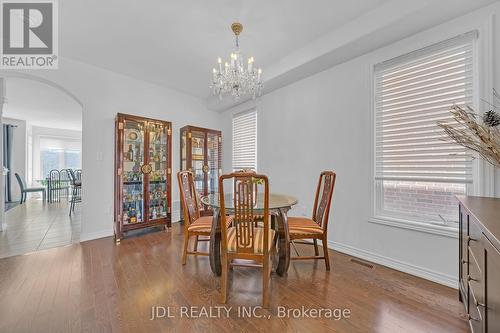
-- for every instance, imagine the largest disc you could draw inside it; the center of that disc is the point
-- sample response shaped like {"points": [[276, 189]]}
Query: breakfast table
{"points": [[279, 205]]}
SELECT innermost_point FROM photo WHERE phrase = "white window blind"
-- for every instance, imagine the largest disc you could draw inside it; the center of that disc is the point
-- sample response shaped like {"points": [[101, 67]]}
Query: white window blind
{"points": [[412, 93], [245, 141]]}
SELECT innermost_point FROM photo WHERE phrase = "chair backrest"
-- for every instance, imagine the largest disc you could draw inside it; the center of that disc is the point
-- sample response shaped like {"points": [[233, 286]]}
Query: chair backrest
{"points": [[78, 174], [21, 182], [323, 198], [54, 178], [246, 188], [72, 176], [65, 176], [189, 199]]}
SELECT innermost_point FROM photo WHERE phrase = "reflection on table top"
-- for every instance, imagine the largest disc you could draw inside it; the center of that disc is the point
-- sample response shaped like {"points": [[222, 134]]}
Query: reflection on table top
{"points": [[276, 201]]}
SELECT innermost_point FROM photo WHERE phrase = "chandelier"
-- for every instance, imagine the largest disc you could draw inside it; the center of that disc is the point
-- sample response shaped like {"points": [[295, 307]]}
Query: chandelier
{"points": [[237, 77]]}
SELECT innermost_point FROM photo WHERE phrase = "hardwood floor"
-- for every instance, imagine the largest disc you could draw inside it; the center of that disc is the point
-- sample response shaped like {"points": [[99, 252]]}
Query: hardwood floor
{"points": [[35, 226], [98, 286]]}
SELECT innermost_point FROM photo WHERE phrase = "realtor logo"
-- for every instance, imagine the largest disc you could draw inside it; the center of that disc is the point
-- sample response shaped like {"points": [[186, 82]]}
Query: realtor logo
{"points": [[29, 34]]}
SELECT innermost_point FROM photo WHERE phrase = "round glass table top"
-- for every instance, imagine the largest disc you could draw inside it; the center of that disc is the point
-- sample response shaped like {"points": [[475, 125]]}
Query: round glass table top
{"points": [[276, 201]]}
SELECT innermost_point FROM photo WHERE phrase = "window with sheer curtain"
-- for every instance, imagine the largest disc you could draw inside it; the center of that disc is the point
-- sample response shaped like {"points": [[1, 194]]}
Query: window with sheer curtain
{"points": [[417, 173], [58, 153], [245, 140]]}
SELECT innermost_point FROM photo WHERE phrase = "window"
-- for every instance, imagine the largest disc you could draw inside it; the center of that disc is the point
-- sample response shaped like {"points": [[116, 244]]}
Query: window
{"points": [[245, 140], [417, 173], [59, 153]]}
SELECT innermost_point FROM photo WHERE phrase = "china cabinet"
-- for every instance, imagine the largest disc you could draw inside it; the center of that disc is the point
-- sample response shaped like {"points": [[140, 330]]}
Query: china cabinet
{"points": [[201, 153], [143, 167]]}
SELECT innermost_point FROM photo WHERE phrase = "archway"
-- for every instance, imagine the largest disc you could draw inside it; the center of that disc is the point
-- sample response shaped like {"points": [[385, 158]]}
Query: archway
{"points": [[49, 117]]}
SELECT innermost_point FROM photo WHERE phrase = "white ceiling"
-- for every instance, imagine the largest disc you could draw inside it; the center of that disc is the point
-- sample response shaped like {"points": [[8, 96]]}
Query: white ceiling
{"points": [[176, 43], [42, 105]]}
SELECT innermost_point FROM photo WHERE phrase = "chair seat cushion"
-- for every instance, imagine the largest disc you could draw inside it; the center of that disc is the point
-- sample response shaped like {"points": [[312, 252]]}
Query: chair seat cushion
{"points": [[258, 241], [303, 226], [204, 224]]}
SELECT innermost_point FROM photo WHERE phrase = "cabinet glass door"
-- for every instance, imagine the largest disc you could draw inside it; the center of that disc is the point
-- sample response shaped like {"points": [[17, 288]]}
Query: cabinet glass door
{"points": [[198, 160], [157, 174], [213, 162], [133, 178]]}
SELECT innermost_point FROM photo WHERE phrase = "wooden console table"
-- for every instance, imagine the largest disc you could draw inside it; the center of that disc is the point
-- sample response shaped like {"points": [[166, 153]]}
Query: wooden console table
{"points": [[479, 257]]}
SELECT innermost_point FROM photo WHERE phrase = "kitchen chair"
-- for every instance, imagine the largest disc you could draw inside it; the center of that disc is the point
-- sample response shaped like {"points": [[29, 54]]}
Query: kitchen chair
{"points": [[65, 181], [315, 228], [194, 224], [25, 190], [76, 190], [244, 239]]}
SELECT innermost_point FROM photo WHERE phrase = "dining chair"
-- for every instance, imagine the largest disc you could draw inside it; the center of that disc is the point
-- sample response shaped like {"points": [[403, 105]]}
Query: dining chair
{"points": [[25, 190], [244, 239], [53, 184], [194, 224], [76, 190], [303, 228]]}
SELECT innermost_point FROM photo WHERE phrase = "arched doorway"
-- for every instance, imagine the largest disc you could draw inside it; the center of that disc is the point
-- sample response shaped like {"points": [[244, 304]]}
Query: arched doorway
{"points": [[42, 125]]}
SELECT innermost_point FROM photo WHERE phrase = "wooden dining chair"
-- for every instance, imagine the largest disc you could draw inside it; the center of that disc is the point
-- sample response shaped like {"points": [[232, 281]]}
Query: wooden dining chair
{"points": [[194, 224], [302, 228], [244, 239]]}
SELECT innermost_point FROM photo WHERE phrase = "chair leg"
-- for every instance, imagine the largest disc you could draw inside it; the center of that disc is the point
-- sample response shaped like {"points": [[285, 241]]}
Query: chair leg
{"points": [[196, 243], [316, 252], [265, 283], [185, 250], [325, 251], [223, 280]]}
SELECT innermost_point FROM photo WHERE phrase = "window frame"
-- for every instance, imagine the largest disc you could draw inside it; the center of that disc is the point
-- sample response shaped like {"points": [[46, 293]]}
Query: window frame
{"points": [[238, 114], [480, 176]]}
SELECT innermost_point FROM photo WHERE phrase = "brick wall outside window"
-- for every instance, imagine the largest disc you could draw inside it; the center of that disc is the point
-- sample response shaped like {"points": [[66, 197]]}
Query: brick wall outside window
{"points": [[421, 200]]}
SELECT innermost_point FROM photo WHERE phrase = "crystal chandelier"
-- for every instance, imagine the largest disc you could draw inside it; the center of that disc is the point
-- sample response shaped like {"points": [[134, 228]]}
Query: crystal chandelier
{"points": [[236, 77]]}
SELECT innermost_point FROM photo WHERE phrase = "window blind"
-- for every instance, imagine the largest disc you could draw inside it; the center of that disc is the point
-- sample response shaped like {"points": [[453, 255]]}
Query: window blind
{"points": [[245, 141], [412, 93]]}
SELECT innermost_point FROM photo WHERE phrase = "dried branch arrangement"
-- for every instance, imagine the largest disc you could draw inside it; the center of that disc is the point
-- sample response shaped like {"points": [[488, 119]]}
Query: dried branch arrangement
{"points": [[481, 136]]}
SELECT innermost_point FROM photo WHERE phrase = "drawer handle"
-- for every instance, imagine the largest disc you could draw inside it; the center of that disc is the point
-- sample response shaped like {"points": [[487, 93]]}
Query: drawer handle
{"points": [[469, 317], [469, 239], [471, 279]]}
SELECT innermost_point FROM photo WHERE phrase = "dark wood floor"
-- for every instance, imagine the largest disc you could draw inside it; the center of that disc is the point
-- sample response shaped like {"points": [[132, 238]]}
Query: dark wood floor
{"points": [[99, 287]]}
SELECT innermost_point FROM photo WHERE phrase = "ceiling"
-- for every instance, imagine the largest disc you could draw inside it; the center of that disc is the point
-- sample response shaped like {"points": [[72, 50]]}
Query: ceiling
{"points": [[42, 105], [176, 43]]}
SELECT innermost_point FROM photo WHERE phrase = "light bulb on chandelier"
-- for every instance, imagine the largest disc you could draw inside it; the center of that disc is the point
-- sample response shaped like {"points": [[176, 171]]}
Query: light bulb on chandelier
{"points": [[236, 78]]}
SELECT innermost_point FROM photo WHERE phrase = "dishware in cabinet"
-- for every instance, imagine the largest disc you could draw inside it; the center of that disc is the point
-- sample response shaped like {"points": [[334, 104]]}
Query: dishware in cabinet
{"points": [[143, 158], [201, 153]]}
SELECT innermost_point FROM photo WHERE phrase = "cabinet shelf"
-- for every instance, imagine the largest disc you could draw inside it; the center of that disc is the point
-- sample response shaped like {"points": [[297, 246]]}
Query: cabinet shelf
{"points": [[201, 147]]}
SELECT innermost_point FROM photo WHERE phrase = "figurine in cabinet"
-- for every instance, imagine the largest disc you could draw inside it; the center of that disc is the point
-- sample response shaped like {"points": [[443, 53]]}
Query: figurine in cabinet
{"points": [[201, 153], [143, 164]]}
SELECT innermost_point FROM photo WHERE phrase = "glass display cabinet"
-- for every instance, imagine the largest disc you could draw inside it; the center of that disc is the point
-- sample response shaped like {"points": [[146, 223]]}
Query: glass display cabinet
{"points": [[201, 153], [143, 167]]}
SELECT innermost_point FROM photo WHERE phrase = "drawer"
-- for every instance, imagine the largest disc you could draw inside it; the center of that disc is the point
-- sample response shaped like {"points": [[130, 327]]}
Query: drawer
{"points": [[475, 279], [475, 317], [474, 242]]}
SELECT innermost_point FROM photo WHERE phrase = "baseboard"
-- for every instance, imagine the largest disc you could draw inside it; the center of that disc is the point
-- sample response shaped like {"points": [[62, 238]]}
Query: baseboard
{"points": [[96, 235], [444, 279]]}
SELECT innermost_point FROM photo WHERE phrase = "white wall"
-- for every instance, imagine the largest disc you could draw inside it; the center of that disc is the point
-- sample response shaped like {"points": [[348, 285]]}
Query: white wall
{"points": [[19, 155], [103, 94], [324, 122]]}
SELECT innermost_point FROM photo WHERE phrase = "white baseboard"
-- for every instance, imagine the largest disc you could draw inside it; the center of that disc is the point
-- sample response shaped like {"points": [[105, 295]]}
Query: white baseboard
{"points": [[444, 279], [96, 235]]}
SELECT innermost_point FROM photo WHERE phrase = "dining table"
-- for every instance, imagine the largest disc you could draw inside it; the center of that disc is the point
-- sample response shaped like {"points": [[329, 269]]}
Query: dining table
{"points": [[279, 205]]}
